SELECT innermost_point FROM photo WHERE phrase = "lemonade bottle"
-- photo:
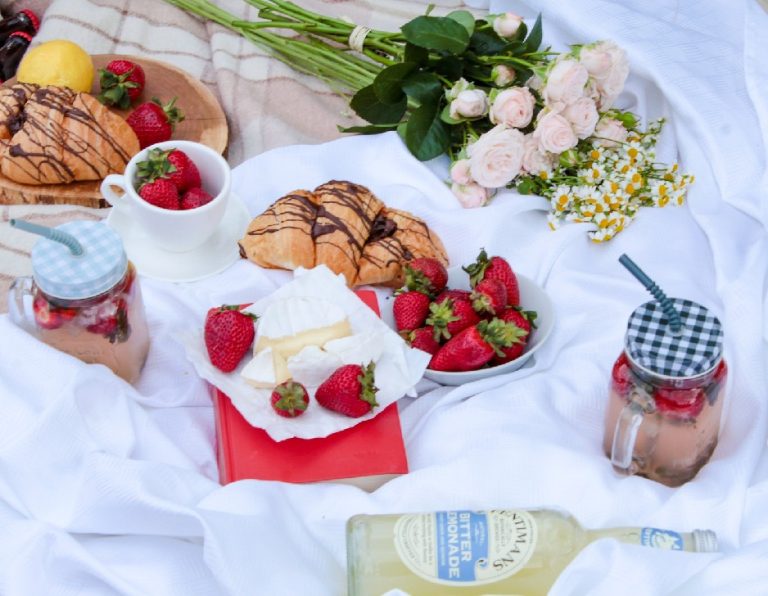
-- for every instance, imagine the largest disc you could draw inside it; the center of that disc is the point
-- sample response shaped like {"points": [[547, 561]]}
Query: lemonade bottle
{"points": [[511, 551]]}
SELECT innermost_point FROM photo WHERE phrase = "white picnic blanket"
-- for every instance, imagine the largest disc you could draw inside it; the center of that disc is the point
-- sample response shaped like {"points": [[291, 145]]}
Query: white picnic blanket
{"points": [[111, 489]]}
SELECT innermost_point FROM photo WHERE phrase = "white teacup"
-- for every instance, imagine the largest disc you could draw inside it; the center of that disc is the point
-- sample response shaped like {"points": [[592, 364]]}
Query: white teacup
{"points": [[175, 231]]}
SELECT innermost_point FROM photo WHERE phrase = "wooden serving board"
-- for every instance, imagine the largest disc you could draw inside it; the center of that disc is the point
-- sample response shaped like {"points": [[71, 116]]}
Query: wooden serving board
{"points": [[204, 122]]}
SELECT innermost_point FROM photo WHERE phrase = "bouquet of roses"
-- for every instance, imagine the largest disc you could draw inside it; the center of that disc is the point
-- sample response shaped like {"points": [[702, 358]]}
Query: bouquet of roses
{"points": [[508, 113]]}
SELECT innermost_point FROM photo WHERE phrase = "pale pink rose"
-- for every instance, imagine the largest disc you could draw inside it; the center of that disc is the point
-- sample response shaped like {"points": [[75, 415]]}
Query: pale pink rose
{"points": [[461, 85], [609, 132], [470, 195], [513, 107], [507, 24], [554, 133], [583, 116], [607, 64], [534, 159], [471, 103], [496, 157], [460, 172], [566, 81], [503, 75]]}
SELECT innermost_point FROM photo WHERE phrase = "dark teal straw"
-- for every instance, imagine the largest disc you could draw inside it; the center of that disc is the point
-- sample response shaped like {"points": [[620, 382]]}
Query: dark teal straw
{"points": [[51, 233], [666, 304]]}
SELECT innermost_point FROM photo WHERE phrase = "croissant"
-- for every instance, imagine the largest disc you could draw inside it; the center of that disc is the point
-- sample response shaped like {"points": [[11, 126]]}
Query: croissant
{"points": [[281, 237], [64, 137], [398, 237], [344, 226], [345, 216]]}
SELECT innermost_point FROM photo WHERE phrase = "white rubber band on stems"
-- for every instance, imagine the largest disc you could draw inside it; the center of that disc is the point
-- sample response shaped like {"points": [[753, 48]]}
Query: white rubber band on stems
{"points": [[357, 37]]}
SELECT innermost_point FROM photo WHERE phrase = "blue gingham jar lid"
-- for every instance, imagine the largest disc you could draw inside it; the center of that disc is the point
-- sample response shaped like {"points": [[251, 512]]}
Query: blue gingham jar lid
{"points": [[61, 274], [651, 343]]}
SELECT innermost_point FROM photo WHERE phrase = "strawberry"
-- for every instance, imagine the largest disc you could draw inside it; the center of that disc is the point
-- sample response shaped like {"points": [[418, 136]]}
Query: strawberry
{"points": [[523, 320], [489, 296], [349, 390], [474, 347], [622, 378], [718, 379], [410, 310], [494, 268], [289, 399], [154, 122], [173, 164], [453, 294], [122, 81], [450, 317], [114, 323], [423, 339], [426, 275], [186, 174], [681, 404], [194, 198], [49, 316], [160, 193], [228, 336]]}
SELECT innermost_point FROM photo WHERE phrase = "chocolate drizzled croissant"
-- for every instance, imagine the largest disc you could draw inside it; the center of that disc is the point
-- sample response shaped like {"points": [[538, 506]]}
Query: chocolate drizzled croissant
{"points": [[60, 136], [344, 226]]}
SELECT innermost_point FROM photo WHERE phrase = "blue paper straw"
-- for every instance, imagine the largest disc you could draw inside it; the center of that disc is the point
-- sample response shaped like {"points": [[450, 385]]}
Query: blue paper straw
{"points": [[51, 233], [666, 304]]}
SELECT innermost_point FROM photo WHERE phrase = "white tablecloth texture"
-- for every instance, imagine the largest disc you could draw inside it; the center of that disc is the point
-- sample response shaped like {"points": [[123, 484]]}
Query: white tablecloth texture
{"points": [[107, 488]]}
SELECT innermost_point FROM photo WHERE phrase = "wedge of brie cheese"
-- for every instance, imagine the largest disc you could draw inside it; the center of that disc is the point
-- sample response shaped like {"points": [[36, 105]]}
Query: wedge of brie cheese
{"points": [[289, 325], [266, 370]]}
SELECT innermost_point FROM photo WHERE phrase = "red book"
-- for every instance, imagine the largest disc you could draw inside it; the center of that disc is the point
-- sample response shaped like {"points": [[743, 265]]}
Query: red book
{"points": [[367, 455]]}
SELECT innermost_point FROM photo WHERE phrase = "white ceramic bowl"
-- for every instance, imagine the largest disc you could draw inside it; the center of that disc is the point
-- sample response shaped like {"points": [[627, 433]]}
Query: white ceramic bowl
{"points": [[532, 297]]}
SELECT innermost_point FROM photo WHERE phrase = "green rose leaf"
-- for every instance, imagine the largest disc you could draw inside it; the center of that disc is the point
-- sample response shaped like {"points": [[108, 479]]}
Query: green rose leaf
{"points": [[450, 67], [423, 87], [534, 38], [437, 33], [388, 83], [426, 136], [369, 107], [486, 42], [463, 18], [369, 129], [415, 54]]}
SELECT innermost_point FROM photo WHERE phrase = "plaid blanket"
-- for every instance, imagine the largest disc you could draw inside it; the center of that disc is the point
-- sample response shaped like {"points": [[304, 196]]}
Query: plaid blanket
{"points": [[267, 104]]}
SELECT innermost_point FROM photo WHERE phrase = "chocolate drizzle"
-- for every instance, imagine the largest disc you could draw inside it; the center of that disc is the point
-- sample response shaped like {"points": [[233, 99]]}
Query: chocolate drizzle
{"points": [[294, 211], [344, 220]]}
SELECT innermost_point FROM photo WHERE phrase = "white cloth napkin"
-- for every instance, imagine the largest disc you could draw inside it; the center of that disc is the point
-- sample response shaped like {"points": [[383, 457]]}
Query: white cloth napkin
{"points": [[107, 488]]}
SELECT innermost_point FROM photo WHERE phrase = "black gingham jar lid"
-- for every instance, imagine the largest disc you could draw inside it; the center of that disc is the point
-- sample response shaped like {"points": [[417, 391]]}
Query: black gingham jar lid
{"points": [[651, 343]]}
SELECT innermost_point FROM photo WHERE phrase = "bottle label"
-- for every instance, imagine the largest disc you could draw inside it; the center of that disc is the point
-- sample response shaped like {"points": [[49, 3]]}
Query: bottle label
{"points": [[664, 539], [465, 547]]}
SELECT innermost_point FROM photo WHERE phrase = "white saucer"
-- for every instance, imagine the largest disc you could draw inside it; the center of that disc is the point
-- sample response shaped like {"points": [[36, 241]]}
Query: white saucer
{"points": [[218, 253]]}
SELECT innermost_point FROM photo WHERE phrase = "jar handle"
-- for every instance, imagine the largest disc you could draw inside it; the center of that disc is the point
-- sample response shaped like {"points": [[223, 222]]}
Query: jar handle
{"points": [[20, 287], [625, 436]]}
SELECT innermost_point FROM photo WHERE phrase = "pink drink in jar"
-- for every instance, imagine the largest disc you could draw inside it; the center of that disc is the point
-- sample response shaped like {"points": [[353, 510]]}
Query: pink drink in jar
{"points": [[666, 395], [88, 305]]}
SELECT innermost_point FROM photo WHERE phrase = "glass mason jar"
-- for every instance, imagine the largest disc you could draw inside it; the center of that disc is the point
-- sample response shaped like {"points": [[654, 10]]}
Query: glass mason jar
{"points": [[666, 396], [89, 305]]}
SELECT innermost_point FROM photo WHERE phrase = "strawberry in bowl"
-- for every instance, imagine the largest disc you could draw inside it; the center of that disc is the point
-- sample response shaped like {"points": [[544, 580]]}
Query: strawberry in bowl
{"points": [[487, 320]]}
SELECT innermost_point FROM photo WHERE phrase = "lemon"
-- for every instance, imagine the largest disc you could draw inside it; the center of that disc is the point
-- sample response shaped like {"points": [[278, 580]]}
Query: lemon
{"points": [[58, 62]]}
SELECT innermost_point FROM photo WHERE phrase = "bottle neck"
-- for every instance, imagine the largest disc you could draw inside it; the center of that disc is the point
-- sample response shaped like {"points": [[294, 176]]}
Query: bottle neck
{"points": [[696, 541]]}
